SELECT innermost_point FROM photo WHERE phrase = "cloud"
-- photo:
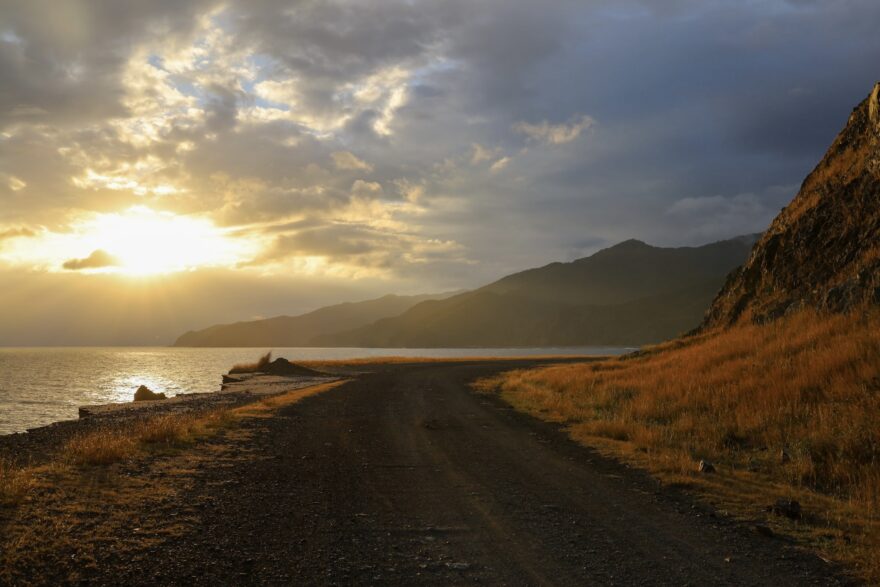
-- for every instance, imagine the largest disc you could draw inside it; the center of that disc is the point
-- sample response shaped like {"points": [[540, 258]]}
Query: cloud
{"points": [[359, 249], [96, 260], [405, 118], [346, 160], [555, 134], [16, 184], [361, 189], [479, 153], [9, 233], [717, 216], [412, 192], [499, 165]]}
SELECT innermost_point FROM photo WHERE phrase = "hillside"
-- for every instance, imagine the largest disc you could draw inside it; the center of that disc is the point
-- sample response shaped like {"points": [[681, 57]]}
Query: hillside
{"points": [[288, 331], [631, 293], [779, 390], [823, 250]]}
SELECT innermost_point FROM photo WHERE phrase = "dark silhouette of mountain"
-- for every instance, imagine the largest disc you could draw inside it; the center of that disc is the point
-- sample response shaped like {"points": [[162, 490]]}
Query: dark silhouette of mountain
{"points": [[283, 331], [629, 294], [823, 250]]}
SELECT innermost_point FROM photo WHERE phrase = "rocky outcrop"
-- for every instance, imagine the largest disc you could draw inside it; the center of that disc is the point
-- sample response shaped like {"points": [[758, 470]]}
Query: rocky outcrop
{"points": [[823, 250], [144, 393], [281, 366]]}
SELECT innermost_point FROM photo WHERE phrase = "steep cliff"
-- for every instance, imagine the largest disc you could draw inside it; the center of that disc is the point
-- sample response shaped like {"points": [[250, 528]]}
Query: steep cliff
{"points": [[823, 250]]}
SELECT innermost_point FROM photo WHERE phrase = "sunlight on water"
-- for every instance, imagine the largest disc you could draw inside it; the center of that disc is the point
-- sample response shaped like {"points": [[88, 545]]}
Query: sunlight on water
{"points": [[43, 385]]}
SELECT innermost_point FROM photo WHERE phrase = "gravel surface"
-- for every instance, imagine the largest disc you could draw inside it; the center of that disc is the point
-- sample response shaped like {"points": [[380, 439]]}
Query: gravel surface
{"points": [[406, 477]]}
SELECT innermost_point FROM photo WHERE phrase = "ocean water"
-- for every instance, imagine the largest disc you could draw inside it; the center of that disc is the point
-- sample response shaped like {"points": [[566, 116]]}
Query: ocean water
{"points": [[41, 385]]}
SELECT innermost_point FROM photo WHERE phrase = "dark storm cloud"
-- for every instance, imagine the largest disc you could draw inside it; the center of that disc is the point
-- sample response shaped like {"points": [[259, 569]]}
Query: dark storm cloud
{"points": [[60, 60]]}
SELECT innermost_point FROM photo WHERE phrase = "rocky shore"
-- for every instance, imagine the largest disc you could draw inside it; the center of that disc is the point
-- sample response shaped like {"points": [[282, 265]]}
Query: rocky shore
{"points": [[40, 445]]}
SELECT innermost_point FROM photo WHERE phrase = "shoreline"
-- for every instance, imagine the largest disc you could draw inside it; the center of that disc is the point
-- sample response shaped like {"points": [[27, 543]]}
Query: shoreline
{"points": [[39, 445], [23, 423]]}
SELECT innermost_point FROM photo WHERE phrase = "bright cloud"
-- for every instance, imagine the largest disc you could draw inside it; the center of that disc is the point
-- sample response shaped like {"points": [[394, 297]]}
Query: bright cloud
{"points": [[349, 162], [555, 134]]}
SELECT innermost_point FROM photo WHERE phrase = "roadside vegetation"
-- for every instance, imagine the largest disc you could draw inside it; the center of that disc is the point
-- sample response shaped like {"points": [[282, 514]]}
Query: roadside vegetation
{"points": [[100, 476], [788, 410], [155, 435], [15, 482], [259, 365], [166, 431]]}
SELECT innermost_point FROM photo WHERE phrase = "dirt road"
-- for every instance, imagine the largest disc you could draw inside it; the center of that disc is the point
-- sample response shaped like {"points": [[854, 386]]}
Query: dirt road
{"points": [[405, 476]]}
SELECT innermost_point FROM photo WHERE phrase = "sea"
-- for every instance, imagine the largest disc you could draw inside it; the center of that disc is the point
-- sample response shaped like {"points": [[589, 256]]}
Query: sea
{"points": [[41, 385]]}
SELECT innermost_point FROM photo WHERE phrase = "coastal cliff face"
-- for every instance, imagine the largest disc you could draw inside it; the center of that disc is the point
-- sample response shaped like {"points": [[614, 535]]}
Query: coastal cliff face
{"points": [[823, 250]]}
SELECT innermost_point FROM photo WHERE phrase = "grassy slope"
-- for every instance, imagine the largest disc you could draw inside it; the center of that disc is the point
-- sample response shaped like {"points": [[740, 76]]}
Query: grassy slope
{"points": [[808, 384]]}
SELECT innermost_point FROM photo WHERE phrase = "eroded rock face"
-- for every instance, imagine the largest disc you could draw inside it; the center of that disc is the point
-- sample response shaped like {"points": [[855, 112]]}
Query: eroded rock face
{"points": [[823, 250]]}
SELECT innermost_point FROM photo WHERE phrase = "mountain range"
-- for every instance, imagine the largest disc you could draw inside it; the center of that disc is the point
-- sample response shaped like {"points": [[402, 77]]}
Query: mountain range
{"points": [[628, 294], [291, 331]]}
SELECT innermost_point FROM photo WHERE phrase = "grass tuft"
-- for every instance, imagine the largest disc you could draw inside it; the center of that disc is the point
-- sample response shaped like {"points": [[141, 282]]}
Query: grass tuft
{"points": [[252, 367], [99, 447], [15, 482]]}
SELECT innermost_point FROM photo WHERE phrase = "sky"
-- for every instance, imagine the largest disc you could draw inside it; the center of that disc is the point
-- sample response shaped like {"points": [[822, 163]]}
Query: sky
{"points": [[172, 164]]}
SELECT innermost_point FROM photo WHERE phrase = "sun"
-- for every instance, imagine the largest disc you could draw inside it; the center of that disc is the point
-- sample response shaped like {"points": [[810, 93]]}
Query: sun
{"points": [[139, 241], [142, 241]]}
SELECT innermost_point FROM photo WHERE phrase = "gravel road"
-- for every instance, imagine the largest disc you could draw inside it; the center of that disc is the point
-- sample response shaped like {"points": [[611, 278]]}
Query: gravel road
{"points": [[405, 476]]}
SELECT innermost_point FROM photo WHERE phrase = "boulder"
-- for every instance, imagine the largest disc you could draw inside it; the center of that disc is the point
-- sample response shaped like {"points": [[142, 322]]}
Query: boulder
{"points": [[144, 393], [706, 467]]}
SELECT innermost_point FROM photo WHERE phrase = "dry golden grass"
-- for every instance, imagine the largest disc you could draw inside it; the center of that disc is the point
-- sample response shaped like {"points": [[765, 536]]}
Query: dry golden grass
{"points": [[112, 445], [99, 447], [808, 385], [252, 367], [15, 481], [80, 489]]}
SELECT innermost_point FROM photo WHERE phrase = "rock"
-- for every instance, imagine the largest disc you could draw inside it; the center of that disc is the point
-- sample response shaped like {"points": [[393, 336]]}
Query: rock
{"points": [[458, 566], [706, 467], [786, 507], [144, 393], [784, 457]]}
